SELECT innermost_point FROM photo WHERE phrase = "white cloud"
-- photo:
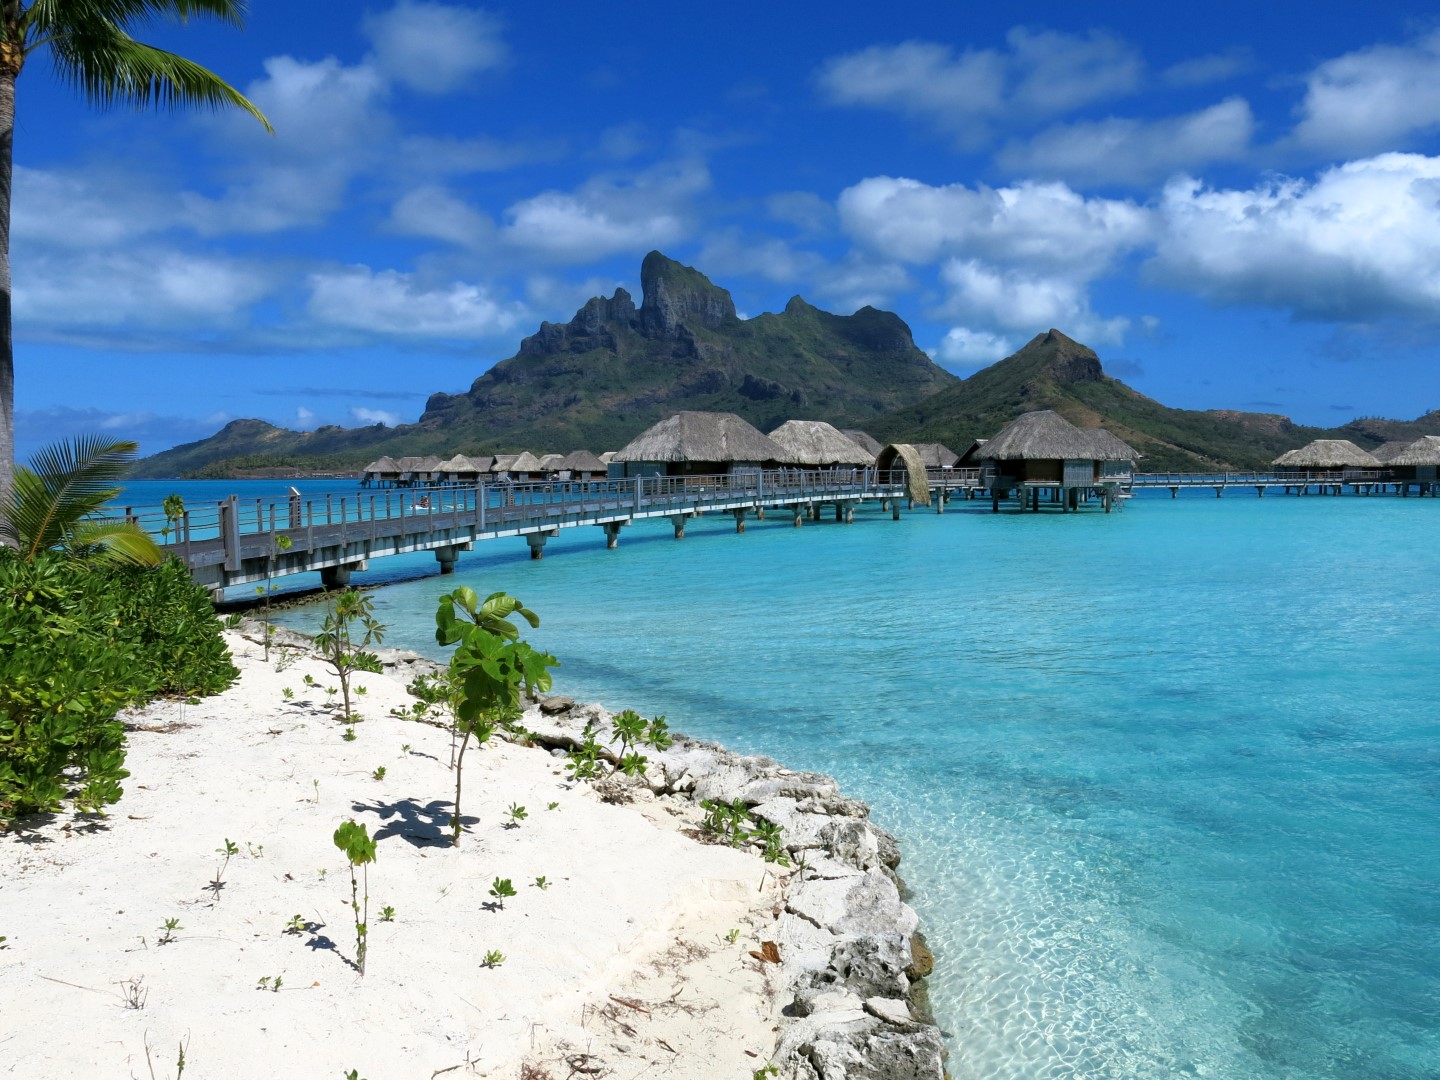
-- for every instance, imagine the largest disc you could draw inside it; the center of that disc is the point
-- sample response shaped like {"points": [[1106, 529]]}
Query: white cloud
{"points": [[390, 302], [963, 347], [1132, 151], [857, 281], [1021, 301], [305, 419], [1361, 241], [733, 253], [609, 214], [1211, 68], [1025, 224], [435, 48], [1372, 99], [805, 210], [438, 213], [1041, 73], [81, 210], [375, 416], [61, 294]]}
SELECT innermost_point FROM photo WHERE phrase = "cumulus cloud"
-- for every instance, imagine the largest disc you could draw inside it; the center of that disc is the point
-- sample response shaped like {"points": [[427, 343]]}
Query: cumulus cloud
{"points": [[1027, 223], [375, 416], [391, 302], [1360, 242], [1132, 151], [439, 214], [1372, 99], [435, 48], [1018, 301], [1038, 74], [609, 214], [963, 347]]}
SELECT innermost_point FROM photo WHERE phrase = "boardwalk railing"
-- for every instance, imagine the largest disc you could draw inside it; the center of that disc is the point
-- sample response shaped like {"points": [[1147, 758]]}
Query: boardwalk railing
{"points": [[235, 541], [1274, 477]]}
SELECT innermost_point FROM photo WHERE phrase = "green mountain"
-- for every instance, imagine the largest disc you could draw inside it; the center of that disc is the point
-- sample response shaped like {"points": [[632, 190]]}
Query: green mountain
{"points": [[1054, 372], [615, 369]]}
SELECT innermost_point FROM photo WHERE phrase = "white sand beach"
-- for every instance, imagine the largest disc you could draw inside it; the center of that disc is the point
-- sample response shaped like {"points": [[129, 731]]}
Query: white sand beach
{"points": [[633, 962]]}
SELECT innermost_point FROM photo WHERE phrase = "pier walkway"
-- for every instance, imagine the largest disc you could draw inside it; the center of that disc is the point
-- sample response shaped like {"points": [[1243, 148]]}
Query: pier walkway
{"points": [[1320, 482], [237, 543]]}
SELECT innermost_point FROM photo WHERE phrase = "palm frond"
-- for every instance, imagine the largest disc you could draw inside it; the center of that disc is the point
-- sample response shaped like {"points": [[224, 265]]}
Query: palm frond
{"points": [[65, 483], [114, 541], [92, 51]]}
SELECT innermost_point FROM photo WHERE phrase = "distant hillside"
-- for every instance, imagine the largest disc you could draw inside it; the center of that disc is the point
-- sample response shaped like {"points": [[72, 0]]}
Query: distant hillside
{"points": [[1054, 372], [615, 369]]}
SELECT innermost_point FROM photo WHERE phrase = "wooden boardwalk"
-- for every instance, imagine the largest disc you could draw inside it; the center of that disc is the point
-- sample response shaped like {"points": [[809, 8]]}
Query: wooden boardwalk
{"points": [[237, 543], [1291, 482]]}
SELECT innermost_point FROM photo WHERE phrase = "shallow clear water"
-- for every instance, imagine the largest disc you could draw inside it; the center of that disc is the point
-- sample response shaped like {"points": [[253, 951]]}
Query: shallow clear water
{"points": [[1167, 781]]}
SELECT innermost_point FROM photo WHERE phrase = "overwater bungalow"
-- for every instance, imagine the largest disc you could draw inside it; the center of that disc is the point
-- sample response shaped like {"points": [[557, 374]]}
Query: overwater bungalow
{"points": [[969, 459], [814, 444], [1328, 459], [414, 469], [1417, 462], [1042, 451], [581, 465], [865, 440], [461, 469], [1116, 456], [525, 468], [936, 455], [1387, 450], [382, 471], [698, 444], [550, 464]]}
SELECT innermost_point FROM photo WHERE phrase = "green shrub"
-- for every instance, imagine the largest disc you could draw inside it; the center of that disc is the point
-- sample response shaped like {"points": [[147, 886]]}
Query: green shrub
{"points": [[78, 643]]}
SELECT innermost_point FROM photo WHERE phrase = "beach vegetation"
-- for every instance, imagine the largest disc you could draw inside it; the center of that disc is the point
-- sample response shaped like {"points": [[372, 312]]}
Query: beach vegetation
{"points": [[516, 814], [348, 734], [387, 914], [346, 634], [358, 848], [502, 889], [491, 671], [542, 883], [80, 640], [583, 761], [287, 693], [378, 773], [280, 543], [168, 931], [232, 621], [493, 958], [296, 925], [271, 983]]}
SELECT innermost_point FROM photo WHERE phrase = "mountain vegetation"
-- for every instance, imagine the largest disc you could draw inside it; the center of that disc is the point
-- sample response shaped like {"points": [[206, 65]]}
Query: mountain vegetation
{"points": [[615, 369]]}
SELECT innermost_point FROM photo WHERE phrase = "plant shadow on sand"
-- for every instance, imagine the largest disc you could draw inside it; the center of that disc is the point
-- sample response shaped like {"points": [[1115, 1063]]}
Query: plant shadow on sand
{"points": [[425, 825]]}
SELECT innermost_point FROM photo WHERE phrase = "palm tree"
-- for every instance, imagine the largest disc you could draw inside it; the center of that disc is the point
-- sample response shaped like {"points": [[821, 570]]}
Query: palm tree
{"points": [[91, 48], [58, 500]]}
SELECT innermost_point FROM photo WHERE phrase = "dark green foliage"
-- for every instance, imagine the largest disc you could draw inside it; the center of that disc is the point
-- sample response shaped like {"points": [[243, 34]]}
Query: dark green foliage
{"points": [[79, 642]]}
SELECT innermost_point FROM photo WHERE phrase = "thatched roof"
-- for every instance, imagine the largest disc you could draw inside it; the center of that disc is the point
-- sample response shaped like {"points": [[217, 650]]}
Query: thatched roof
{"points": [[608, 456], [1041, 436], [864, 440], [582, 461], [1110, 447], [935, 455], [814, 442], [1385, 451], [904, 455], [462, 464], [526, 462], [1423, 451], [383, 466], [702, 436], [503, 462], [551, 462], [1326, 454]]}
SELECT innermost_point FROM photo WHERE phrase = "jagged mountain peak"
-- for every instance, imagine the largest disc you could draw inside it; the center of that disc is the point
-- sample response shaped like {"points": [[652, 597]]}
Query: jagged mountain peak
{"points": [[674, 293]]}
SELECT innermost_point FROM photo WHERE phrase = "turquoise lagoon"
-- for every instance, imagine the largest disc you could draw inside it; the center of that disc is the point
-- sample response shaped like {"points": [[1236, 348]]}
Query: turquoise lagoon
{"points": [[1167, 781]]}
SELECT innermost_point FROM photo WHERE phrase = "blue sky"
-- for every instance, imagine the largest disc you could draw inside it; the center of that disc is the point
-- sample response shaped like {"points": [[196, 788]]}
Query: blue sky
{"points": [[1237, 205]]}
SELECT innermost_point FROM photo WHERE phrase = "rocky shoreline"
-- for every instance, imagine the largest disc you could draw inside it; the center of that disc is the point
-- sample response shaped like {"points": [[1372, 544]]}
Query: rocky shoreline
{"points": [[851, 958]]}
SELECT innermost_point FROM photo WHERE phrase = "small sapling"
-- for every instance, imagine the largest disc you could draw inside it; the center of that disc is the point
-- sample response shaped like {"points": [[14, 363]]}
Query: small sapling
{"points": [[348, 734], [516, 814], [493, 959], [230, 850], [271, 983], [541, 883], [379, 773], [168, 935], [387, 914], [553, 806], [341, 645], [287, 693], [359, 850], [296, 925], [405, 748], [502, 890]]}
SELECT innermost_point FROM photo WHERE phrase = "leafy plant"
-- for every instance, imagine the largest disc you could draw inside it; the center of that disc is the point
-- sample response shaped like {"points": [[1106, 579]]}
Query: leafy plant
{"points": [[171, 925], [174, 509], [229, 851], [271, 983], [517, 814], [296, 925], [502, 890], [541, 883], [552, 806], [772, 843], [379, 773], [491, 671], [726, 820], [405, 748], [583, 761], [78, 642], [493, 958], [387, 914], [286, 693], [348, 734], [359, 850], [632, 731], [232, 621], [343, 651]]}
